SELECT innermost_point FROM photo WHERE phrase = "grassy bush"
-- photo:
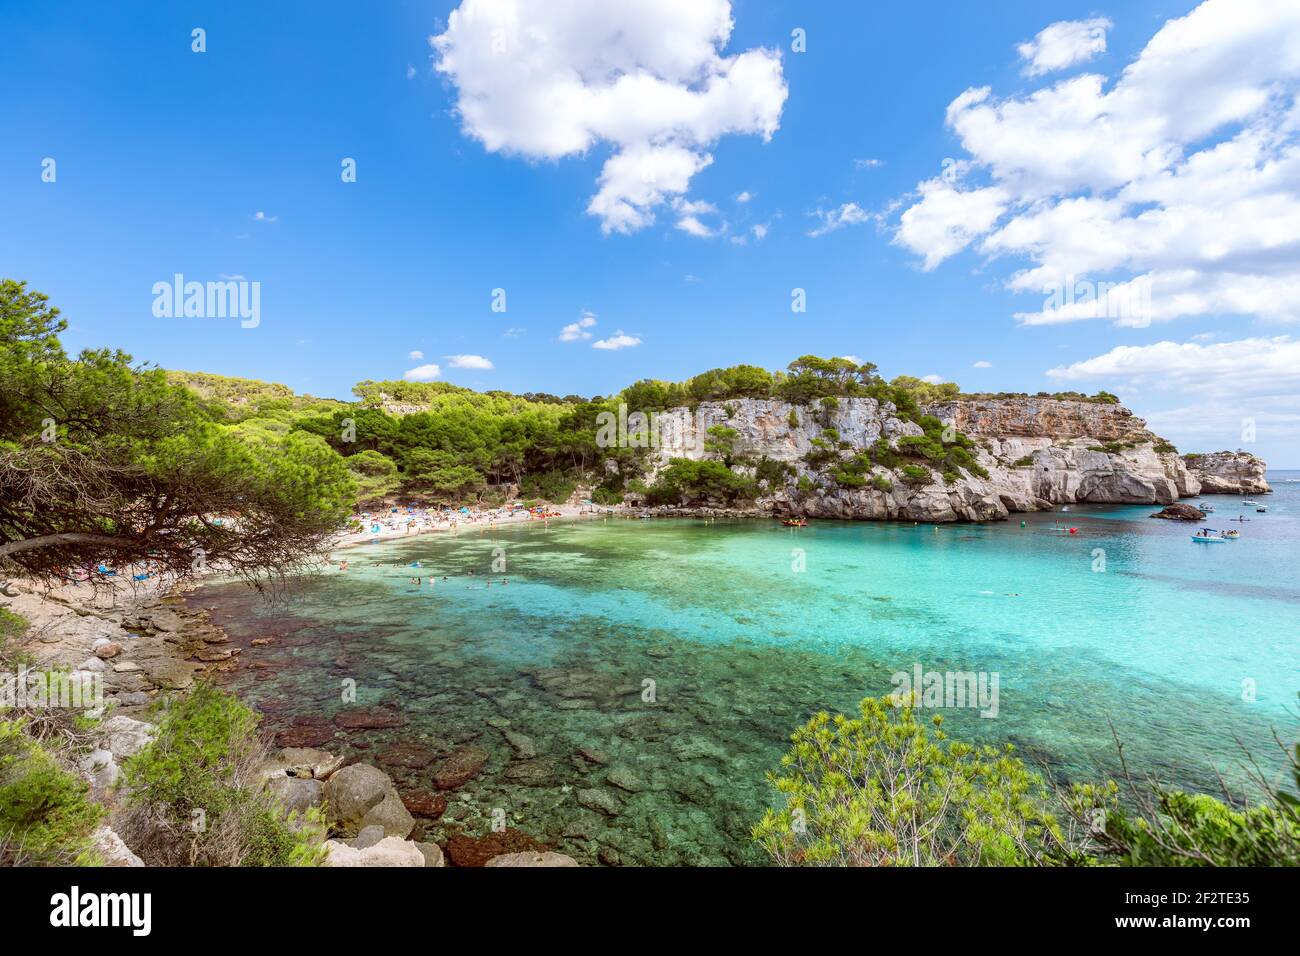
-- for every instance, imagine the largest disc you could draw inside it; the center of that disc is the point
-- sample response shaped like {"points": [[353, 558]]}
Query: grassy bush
{"points": [[882, 789], [12, 628], [46, 816], [197, 797], [916, 475]]}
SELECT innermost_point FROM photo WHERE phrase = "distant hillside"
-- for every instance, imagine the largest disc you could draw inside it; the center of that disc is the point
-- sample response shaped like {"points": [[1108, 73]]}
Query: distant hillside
{"points": [[238, 399]]}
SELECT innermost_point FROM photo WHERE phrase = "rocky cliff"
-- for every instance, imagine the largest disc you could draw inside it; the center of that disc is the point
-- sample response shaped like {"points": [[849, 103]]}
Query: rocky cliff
{"points": [[1038, 453], [1228, 473]]}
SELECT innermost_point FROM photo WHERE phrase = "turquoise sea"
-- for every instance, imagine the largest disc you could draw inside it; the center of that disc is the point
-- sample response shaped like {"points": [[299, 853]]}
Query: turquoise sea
{"points": [[634, 680]]}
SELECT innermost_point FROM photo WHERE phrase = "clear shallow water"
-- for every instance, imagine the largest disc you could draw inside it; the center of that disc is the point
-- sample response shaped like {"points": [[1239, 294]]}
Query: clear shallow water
{"points": [[742, 648]]}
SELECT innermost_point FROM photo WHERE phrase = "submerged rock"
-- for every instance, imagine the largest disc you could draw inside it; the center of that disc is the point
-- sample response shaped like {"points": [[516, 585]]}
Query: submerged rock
{"points": [[371, 718], [458, 769], [532, 859], [428, 805], [464, 850], [602, 800]]}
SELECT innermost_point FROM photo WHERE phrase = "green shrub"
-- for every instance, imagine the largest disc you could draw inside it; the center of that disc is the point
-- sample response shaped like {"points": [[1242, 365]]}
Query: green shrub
{"points": [[553, 486], [1026, 461], [686, 482], [883, 790], [1190, 830], [772, 473], [916, 475], [204, 766], [46, 815]]}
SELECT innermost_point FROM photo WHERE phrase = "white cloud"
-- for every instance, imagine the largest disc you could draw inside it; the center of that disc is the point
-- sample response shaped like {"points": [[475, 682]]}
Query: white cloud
{"points": [[260, 216], [1182, 173], [946, 219], [555, 79], [759, 230], [933, 379], [1224, 387], [868, 163], [1253, 366], [744, 196], [513, 333], [1063, 45], [981, 364], [410, 72], [577, 331], [619, 340], [469, 361], [415, 355], [848, 214], [851, 358], [422, 373], [688, 220]]}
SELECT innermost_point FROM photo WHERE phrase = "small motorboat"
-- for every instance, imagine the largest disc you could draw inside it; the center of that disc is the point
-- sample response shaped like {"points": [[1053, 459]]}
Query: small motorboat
{"points": [[1262, 509], [1230, 533], [1248, 502], [1209, 536], [1206, 509], [795, 522]]}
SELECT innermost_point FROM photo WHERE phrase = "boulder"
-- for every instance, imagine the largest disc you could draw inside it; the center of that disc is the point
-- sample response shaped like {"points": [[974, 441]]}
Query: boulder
{"points": [[112, 850], [368, 837], [360, 796], [390, 851], [100, 769], [432, 854], [302, 762], [123, 736], [297, 794], [1180, 512]]}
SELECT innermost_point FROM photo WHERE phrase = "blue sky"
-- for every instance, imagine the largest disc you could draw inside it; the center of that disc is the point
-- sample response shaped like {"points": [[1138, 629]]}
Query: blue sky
{"points": [[165, 156]]}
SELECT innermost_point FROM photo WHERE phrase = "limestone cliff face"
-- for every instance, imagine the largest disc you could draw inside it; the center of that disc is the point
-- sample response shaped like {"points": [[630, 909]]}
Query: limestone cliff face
{"points": [[1072, 451], [1229, 473], [1038, 453]]}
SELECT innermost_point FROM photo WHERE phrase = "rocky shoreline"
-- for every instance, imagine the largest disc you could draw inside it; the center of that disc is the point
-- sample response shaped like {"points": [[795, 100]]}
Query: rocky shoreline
{"points": [[147, 646]]}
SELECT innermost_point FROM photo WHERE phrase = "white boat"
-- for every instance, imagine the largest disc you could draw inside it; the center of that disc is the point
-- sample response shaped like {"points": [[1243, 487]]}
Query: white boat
{"points": [[1209, 536], [1262, 509]]}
